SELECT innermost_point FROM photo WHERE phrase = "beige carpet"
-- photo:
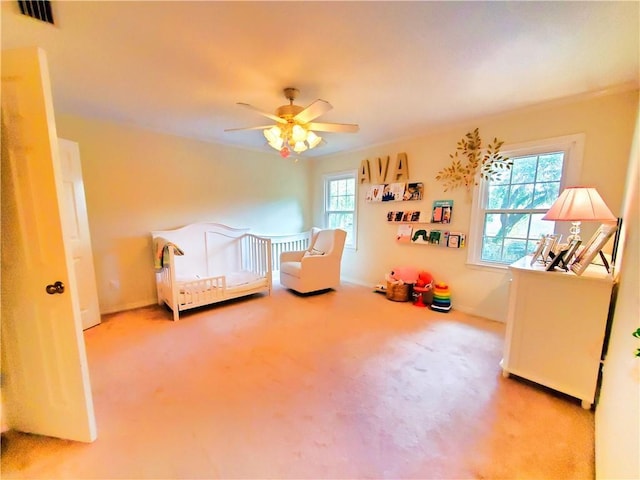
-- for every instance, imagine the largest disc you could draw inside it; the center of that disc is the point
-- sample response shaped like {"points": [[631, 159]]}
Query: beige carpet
{"points": [[342, 385]]}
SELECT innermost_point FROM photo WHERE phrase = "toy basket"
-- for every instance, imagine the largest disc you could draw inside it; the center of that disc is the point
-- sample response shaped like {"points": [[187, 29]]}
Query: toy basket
{"points": [[398, 292]]}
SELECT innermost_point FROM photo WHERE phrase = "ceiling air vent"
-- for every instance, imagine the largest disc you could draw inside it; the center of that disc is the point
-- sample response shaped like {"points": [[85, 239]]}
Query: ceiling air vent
{"points": [[38, 9]]}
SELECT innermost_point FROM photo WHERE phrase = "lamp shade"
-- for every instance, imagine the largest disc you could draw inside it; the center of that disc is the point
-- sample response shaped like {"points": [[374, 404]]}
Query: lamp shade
{"points": [[580, 204]]}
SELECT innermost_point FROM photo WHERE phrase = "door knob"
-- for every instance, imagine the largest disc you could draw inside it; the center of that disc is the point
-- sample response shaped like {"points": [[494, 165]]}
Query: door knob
{"points": [[57, 287]]}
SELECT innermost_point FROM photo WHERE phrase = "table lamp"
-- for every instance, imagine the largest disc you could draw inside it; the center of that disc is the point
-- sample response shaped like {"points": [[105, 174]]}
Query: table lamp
{"points": [[579, 204]]}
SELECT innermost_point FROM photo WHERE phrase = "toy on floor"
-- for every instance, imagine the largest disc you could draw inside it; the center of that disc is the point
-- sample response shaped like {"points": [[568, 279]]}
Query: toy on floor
{"points": [[380, 288], [400, 282], [441, 297], [423, 285], [403, 275]]}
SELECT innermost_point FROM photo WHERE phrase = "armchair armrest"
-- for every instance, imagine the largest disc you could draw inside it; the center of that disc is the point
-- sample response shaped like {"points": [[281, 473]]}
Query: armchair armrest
{"points": [[293, 256], [320, 264]]}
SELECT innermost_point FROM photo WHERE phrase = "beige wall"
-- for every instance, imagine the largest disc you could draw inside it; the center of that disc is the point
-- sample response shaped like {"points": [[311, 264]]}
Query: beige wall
{"points": [[607, 120], [137, 181], [618, 412]]}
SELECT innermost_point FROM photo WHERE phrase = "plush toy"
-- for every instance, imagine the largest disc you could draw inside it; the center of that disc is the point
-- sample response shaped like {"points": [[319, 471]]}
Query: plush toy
{"points": [[425, 280], [404, 274]]}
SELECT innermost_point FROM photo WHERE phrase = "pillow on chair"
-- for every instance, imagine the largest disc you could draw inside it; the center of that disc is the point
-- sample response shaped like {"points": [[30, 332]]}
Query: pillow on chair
{"points": [[313, 252]]}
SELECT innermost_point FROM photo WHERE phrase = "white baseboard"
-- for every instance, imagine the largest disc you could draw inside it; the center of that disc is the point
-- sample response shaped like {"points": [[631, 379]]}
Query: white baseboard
{"points": [[127, 306], [357, 281], [461, 308]]}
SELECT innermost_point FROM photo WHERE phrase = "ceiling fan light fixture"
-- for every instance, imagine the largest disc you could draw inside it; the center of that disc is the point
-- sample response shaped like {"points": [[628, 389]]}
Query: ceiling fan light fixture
{"points": [[298, 134], [312, 139], [277, 143], [299, 147], [294, 124], [272, 134]]}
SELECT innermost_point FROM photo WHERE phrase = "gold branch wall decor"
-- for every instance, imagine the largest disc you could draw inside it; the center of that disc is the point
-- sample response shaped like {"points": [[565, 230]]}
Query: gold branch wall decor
{"points": [[491, 163]]}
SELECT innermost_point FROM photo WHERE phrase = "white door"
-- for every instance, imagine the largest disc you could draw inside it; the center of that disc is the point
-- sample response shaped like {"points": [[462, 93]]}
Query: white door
{"points": [[77, 232], [47, 389]]}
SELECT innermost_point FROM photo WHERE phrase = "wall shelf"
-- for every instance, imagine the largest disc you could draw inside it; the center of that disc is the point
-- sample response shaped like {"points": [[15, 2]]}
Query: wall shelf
{"points": [[437, 237]]}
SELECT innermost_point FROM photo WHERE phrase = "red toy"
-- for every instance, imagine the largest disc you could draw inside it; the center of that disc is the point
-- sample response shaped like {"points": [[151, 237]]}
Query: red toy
{"points": [[423, 285]]}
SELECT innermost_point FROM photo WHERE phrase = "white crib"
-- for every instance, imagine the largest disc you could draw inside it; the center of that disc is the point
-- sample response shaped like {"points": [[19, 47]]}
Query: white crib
{"points": [[205, 263]]}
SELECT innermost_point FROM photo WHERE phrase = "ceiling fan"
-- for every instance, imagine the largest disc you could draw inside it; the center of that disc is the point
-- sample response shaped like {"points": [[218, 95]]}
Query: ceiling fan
{"points": [[294, 129]]}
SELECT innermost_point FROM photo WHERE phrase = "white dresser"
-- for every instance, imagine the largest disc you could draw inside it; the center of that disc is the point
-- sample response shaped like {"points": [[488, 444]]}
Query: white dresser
{"points": [[556, 326]]}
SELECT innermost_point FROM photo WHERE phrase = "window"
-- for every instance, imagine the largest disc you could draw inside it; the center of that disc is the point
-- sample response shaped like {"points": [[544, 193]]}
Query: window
{"points": [[340, 204], [507, 218]]}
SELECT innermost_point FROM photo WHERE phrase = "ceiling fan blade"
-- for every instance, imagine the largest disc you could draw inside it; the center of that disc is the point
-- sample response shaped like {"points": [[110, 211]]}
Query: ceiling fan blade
{"points": [[262, 127], [314, 110], [275, 118], [333, 127]]}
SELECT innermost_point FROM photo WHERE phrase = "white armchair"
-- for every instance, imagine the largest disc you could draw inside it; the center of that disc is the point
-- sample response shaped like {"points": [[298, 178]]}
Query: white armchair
{"points": [[318, 267]]}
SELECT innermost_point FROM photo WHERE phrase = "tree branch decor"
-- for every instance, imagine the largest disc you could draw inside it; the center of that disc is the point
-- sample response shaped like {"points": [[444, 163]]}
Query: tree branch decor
{"points": [[492, 165]]}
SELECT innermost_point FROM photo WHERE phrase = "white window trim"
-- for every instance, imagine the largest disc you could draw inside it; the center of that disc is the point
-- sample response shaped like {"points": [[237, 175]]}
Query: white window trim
{"points": [[326, 178], [572, 145]]}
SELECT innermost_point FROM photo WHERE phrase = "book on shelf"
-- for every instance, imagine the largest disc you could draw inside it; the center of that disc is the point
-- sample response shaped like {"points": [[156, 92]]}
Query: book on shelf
{"points": [[442, 211], [404, 233]]}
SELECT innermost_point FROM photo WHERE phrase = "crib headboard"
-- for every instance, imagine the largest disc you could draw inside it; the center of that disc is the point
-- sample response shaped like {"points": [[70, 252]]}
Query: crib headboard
{"points": [[209, 248]]}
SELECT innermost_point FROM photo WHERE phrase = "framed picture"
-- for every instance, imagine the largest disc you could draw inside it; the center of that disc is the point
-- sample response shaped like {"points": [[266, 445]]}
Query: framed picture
{"points": [[550, 242], [563, 257], [538, 251], [571, 251], [592, 247]]}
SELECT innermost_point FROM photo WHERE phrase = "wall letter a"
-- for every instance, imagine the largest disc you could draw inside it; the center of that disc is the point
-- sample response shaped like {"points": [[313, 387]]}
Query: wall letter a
{"points": [[401, 170], [364, 175]]}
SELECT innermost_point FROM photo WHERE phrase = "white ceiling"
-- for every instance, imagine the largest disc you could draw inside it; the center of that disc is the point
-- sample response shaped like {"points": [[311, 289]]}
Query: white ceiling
{"points": [[397, 69]]}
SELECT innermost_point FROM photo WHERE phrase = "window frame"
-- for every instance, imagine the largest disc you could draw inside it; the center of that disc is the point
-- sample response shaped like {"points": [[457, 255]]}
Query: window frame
{"points": [[327, 179], [573, 148]]}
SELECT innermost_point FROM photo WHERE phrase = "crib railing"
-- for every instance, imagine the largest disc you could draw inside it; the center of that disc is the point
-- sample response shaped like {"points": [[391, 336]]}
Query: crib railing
{"points": [[256, 254], [286, 243]]}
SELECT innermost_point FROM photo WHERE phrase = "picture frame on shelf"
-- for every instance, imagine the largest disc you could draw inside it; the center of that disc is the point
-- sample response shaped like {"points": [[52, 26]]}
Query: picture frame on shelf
{"points": [[550, 243], [557, 261], [563, 257], [593, 247], [538, 251], [571, 251]]}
